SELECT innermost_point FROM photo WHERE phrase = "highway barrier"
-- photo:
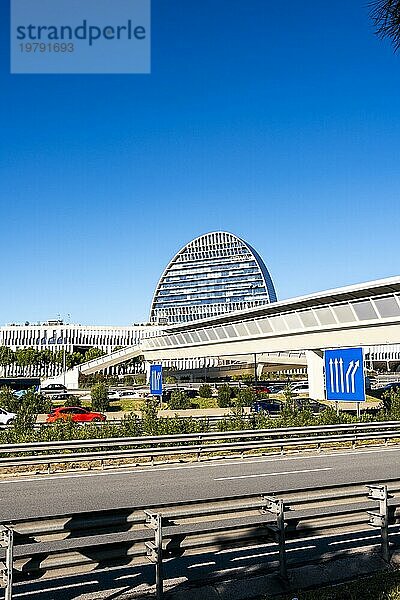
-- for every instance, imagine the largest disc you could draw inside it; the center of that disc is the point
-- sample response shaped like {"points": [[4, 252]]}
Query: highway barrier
{"points": [[108, 451], [51, 547]]}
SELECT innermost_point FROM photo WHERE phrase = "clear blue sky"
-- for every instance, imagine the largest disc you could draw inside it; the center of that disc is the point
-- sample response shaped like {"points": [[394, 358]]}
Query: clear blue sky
{"points": [[277, 121]]}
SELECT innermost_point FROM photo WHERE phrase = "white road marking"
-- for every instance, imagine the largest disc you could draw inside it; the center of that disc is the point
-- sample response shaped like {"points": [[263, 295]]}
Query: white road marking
{"points": [[121, 471], [56, 588], [273, 474]]}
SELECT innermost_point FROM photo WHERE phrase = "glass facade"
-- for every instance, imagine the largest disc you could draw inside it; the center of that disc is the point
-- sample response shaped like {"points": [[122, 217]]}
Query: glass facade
{"points": [[214, 274]]}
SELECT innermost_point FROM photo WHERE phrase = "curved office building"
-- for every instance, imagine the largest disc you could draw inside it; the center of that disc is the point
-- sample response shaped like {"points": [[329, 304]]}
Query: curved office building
{"points": [[214, 274]]}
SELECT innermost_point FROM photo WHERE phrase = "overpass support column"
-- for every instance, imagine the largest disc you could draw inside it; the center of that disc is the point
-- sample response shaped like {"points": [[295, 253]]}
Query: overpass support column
{"points": [[315, 371]]}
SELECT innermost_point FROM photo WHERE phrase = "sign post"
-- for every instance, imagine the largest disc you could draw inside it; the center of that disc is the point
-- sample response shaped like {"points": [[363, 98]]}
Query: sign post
{"points": [[156, 381], [344, 375]]}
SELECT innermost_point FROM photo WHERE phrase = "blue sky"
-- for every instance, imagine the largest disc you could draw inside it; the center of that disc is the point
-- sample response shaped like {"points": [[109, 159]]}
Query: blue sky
{"points": [[281, 126]]}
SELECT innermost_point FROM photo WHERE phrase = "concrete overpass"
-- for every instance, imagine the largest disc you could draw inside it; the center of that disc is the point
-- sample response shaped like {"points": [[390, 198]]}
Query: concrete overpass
{"points": [[365, 315]]}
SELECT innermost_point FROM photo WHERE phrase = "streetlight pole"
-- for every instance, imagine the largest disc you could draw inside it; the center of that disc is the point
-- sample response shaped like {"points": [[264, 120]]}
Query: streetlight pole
{"points": [[64, 363]]}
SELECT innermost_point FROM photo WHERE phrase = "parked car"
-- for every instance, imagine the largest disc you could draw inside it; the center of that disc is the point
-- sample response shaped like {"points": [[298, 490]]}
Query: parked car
{"points": [[270, 406], [313, 405], [129, 394], [76, 413], [261, 389], [63, 397], [53, 388], [386, 389], [114, 395], [299, 388], [276, 388], [6, 418]]}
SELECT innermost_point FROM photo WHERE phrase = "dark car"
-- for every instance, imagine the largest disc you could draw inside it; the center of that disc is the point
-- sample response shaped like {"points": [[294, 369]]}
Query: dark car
{"points": [[61, 397], [313, 405], [380, 392], [53, 388], [272, 407]]}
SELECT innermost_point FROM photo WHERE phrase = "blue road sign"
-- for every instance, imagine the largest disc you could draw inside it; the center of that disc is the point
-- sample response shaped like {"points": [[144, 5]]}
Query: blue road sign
{"points": [[156, 380], [344, 375]]}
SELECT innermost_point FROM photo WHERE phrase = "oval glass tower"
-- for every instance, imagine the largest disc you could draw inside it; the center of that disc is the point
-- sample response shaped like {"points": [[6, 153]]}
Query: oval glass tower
{"points": [[212, 275]]}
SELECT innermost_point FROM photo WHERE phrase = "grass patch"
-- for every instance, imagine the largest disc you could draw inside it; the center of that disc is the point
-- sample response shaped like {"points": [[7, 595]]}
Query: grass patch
{"points": [[383, 586], [204, 403], [128, 404]]}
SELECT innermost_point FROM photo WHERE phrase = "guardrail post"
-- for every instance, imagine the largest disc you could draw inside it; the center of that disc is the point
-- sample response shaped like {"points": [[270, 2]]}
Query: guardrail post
{"points": [[6, 573], [277, 507], [381, 519], [155, 550]]}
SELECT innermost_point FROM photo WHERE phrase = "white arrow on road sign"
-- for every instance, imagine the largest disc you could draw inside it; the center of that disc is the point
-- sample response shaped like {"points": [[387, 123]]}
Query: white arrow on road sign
{"points": [[351, 364], [353, 374], [337, 375], [341, 375], [331, 374]]}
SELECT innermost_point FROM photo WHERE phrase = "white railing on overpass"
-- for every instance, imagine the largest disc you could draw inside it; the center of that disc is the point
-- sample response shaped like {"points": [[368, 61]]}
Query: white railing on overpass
{"points": [[360, 315], [363, 315]]}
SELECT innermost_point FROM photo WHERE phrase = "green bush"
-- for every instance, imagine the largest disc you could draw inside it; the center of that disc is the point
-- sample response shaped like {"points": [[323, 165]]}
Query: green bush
{"points": [[36, 403], [179, 400], [150, 420], [205, 391], [99, 394], [131, 426], [26, 408], [246, 396], [225, 394], [8, 400]]}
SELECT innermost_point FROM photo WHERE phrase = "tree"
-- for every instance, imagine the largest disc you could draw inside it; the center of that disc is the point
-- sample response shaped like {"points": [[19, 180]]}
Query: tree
{"points": [[179, 400], [205, 391], [76, 358], [246, 397], [34, 402], [225, 394], [385, 15], [7, 356], [26, 357], [26, 407], [391, 403], [93, 353], [8, 400], [150, 420], [99, 394], [290, 404], [45, 357]]}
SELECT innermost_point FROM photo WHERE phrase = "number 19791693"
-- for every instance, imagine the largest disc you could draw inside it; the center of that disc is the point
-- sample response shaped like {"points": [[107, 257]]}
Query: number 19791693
{"points": [[46, 47]]}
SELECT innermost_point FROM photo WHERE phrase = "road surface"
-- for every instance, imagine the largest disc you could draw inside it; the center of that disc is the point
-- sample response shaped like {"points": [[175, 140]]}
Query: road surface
{"points": [[83, 491]]}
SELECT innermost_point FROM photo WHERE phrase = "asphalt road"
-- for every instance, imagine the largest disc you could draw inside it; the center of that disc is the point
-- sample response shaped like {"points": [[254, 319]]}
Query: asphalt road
{"points": [[86, 491]]}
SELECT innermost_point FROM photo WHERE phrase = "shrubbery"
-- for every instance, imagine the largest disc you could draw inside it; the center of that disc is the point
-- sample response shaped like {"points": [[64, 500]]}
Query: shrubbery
{"points": [[225, 395], [179, 400], [32, 403], [205, 391], [99, 394], [246, 396]]}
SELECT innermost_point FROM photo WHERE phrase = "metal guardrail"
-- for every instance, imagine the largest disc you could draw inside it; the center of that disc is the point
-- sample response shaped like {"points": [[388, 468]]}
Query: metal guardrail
{"points": [[195, 444], [49, 547]]}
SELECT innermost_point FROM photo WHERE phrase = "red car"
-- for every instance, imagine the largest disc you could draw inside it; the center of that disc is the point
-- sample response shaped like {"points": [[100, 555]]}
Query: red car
{"points": [[76, 414]]}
